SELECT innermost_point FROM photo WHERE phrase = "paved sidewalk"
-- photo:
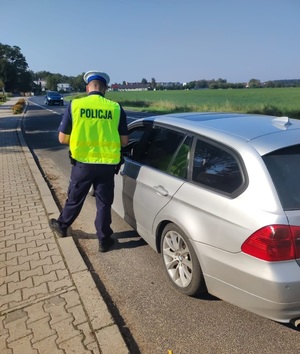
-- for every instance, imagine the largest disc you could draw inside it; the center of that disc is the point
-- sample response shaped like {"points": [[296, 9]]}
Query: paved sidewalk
{"points": [[49, 302]]}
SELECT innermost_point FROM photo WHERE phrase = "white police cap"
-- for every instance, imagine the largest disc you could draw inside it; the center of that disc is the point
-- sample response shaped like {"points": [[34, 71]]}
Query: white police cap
{"points": [[96, 75]]}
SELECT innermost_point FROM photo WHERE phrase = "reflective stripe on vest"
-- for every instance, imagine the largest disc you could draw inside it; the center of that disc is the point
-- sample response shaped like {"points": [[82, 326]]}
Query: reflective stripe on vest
{"points": [[95, 137]]}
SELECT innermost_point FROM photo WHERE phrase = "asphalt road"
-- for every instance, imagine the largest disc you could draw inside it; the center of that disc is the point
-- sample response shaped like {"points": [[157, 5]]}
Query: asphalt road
{"points": [[153, 317]]}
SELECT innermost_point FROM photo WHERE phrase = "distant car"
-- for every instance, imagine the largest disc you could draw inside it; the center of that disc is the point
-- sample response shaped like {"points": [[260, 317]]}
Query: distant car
{"points": [[54, 97], [218, 195]]}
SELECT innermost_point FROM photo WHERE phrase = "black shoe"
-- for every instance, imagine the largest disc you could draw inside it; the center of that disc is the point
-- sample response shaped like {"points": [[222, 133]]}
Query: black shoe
{"points": [[55, 226], [106, 244]]}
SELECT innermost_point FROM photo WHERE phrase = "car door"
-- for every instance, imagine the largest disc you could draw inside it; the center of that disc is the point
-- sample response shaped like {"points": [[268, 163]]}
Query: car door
{"points": [[149, 178]]}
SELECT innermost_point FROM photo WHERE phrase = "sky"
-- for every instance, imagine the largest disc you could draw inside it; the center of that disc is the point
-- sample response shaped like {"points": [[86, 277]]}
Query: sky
{"points": [[168, 40]]}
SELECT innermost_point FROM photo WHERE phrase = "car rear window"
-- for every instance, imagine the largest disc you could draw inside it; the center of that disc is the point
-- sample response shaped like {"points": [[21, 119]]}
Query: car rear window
{"points": [[284, 168], [216, 168]]}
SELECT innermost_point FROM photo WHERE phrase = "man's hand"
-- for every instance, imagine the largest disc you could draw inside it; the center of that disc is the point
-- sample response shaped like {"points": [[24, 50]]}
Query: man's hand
{"points": [[118, 166]]}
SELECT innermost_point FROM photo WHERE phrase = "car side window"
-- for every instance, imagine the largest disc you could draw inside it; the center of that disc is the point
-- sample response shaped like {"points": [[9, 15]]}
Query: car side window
{"points": [[179, 165], [158, 148], [216, 168], [134, 137]]}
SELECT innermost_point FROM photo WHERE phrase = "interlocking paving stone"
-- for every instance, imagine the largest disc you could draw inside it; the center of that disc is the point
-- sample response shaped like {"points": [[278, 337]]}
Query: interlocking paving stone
{"points": [[15, 322], [48, 346], [42, 311]]}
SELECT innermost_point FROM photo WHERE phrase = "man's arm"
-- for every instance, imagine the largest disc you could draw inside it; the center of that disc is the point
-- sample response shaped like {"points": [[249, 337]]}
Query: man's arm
{"points": [[63, 138], [124, 140], [65, 126]]}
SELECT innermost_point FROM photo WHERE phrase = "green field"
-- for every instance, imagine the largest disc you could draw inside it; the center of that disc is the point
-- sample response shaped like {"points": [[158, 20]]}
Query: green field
{"points": [[272, 101]]}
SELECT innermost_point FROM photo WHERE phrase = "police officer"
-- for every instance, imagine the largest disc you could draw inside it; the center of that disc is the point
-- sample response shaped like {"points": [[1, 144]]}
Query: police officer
{"points": [[95, 129]]}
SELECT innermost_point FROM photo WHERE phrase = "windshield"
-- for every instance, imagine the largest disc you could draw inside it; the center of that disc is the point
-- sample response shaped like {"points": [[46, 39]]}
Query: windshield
{"points": [[284, 168]]}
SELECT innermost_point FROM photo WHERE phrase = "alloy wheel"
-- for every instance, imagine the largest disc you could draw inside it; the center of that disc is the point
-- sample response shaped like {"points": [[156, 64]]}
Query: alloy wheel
{"points": [[177, 259]]}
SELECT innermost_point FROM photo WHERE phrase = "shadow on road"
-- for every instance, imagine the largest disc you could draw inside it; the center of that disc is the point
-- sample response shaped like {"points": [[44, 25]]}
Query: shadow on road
{"points": [[127, 239]]}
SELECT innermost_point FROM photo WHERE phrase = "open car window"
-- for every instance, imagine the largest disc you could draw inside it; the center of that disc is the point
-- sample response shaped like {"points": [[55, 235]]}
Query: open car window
{"points": [[159, 147]]}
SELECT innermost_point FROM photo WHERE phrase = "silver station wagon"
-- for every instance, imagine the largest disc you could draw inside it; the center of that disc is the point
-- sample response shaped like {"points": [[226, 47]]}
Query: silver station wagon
{"points": [[218, 195]]}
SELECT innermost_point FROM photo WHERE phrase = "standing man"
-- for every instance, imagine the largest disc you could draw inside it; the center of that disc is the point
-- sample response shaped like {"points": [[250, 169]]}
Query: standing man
{"points": [[95, 129]]}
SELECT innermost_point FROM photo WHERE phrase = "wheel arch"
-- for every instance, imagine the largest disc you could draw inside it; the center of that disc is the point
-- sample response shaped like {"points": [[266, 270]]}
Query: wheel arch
{"points": [[158, 235], [159, 231], [160, 227]]}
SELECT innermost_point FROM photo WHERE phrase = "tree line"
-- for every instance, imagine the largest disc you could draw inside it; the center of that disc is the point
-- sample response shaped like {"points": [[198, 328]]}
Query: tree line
{"points": [[15, 76]]}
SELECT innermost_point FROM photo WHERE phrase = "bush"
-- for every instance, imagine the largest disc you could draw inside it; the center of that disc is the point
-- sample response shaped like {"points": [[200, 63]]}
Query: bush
{"points": [[19, 106]]}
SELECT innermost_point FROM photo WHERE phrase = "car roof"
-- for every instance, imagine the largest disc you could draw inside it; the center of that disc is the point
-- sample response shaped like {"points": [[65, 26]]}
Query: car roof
{"points": [[265, 133]]}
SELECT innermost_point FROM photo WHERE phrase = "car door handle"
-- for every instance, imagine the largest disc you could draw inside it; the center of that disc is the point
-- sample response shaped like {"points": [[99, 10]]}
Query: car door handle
{"points": [[161, 190]]}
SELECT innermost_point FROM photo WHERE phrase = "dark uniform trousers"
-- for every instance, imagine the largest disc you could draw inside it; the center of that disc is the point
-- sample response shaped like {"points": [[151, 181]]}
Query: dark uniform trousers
{"points": [[82, 177]]}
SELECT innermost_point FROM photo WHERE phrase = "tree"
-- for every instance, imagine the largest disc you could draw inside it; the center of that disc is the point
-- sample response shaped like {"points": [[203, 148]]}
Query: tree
{"points": [[13, 68], [144, 81], [41, 75], [254, 83], [153, 83], [77, 83], [269, 84], [25, 82], [52, 81], [1, 85]]}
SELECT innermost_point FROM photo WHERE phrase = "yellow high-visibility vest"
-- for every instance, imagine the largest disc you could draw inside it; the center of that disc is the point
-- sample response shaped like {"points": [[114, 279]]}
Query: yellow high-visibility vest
{"points": [[95, 137]]}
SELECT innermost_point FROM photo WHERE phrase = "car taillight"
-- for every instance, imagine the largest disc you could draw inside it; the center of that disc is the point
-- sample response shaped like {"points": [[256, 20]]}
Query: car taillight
{"points": [[296, 238], [274, 243]]}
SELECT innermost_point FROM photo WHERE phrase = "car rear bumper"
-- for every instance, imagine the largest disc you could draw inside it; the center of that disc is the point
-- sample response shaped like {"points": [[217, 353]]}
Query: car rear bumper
{"points": [[269, 289], [55, 101]]}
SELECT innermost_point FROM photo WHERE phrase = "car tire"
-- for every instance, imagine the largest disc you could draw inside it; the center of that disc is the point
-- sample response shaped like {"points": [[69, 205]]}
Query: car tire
{"points": [[180, 262]]}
